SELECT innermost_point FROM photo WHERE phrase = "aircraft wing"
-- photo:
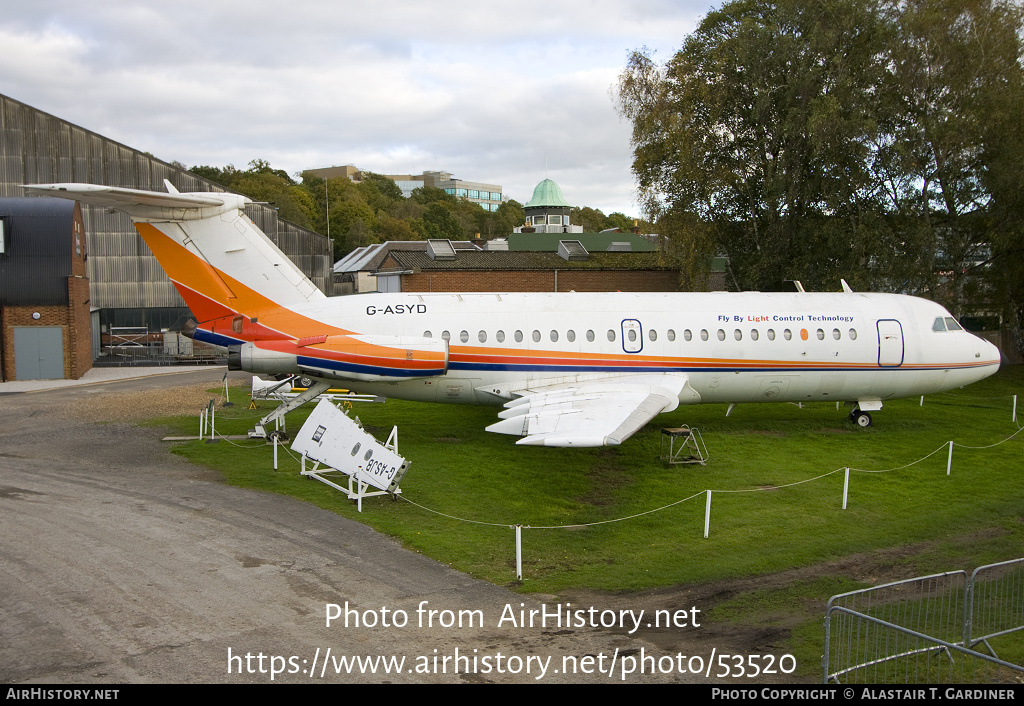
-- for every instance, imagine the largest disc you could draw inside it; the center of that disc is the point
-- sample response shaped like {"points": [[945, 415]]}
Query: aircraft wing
{"points": [[602, 412]]}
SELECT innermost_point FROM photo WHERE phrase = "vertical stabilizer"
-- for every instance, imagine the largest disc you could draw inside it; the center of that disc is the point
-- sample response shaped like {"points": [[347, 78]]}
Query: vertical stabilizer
{"points": [[220, 262]]}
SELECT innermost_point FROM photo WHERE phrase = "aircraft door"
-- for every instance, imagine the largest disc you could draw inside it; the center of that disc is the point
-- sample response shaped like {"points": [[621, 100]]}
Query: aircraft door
{"points": [[632, 336], [890, 343]]}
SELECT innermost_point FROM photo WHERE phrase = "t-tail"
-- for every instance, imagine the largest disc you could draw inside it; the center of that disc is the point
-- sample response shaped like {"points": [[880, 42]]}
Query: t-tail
{"points": [[237, 283], [246, 295]]}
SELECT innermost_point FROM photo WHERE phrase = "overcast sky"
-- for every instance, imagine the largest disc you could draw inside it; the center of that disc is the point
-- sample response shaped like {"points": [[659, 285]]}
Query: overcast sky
{"points": [[503, 93]]}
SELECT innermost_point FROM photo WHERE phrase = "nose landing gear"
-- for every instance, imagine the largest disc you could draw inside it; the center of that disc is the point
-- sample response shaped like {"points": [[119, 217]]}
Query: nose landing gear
{"points": [[861, 419]]}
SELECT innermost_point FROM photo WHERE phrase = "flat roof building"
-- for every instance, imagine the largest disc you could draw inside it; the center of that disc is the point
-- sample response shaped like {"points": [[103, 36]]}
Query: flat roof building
{"points": [[489, 196]]}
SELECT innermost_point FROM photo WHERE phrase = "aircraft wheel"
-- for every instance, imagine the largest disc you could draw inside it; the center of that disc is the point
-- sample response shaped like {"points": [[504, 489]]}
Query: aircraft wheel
{"points": [[862, 419], [279, 435], [305, 382]]}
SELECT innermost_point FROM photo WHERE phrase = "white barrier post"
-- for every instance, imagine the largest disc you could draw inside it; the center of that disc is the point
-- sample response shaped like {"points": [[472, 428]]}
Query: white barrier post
{"points": [[707, 516], [275, 452], [846, 487], [949, 461], [1015, 409], [519, 552]]}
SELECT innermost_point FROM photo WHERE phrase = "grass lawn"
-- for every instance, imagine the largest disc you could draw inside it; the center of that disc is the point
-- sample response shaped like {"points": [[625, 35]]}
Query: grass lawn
{"points": [[619, 519]]}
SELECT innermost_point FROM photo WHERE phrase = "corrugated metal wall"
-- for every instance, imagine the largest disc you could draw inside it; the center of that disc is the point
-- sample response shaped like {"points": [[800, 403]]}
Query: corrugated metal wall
{"points": [[37, 261], [37, 148]]}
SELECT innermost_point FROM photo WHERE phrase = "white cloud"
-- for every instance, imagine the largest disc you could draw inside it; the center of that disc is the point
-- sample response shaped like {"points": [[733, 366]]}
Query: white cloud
{"points": [[485, 92]]}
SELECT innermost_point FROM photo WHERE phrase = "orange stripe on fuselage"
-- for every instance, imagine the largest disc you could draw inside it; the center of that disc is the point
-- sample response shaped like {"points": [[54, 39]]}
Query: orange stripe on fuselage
{"points": [[466, 354], [220, 294]]}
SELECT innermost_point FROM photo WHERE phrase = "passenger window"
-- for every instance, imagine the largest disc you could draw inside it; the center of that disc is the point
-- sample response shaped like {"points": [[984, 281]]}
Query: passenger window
{"points": [[703, 334], [446, 336], [671, 334], [631, 334], [570, 335], [853, 334], [721, 335], [590, 336], [536, 336], [836, 335], [653, 335], [482, 337], [426, 334], [753, 334], [738, 335], [554, 336], [519, 337], [688, 335], [500, 335], [821, 335], [611, 335], [771, 334], [787, 334], [464, 336]]}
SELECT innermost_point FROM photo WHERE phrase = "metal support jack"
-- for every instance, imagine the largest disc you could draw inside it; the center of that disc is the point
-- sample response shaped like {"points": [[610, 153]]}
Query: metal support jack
{"points": [[685, 445], [314, 390], [357, 489]]}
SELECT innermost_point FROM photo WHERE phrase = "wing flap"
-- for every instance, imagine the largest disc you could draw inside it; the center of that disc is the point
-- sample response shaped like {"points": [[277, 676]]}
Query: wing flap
{"points": [[598, 413]]}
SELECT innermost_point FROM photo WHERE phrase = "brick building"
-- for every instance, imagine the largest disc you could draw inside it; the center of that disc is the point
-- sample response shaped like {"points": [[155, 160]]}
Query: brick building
{"points": [[425, 270], [45, 326]]}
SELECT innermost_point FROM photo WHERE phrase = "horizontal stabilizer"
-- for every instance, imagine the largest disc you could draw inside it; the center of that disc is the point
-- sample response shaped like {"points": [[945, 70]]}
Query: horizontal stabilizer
{"points": [[116, 197]]}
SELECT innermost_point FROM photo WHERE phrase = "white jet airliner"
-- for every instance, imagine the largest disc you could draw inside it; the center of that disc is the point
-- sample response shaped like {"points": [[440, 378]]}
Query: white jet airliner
{"points": [[571, 369]]}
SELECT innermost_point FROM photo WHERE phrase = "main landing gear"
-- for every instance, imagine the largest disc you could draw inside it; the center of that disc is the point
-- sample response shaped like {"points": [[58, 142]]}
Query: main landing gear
{"points": [[861, 419]]}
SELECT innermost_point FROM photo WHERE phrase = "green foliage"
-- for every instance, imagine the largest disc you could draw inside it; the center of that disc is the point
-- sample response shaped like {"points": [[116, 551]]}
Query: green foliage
{"points": [[263, 183], [866, 139], [371, 211], [439, 221]]}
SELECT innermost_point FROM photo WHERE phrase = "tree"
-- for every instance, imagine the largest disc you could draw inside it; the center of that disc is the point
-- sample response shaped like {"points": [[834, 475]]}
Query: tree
{"points": [[591, 219], [439, 221], [866, 139], [756, 127], [261, 182], [956, 85]]}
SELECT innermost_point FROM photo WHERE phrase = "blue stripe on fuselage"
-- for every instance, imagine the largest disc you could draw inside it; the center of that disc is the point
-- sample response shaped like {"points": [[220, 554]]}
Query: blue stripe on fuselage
{"points": [[343, 367]]}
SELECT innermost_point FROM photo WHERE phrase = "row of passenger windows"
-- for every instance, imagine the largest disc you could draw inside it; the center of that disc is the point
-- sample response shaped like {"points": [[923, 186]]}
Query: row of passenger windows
{"points": [[633, 334]]}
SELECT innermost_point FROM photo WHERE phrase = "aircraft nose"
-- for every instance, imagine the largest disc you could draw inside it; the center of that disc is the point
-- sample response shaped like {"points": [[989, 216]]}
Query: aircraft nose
{"points": [[985, 351], [991, 352]]}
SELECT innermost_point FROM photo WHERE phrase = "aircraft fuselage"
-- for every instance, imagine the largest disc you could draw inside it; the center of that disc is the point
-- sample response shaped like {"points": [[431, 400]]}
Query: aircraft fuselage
{"points": [[734, 347]]}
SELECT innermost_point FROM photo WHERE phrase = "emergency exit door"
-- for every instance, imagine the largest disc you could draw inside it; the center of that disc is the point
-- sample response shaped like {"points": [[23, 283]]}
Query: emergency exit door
{"points": [[890, 343]]}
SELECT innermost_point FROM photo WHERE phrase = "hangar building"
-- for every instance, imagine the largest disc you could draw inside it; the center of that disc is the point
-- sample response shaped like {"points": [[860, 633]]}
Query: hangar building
{"points": [[127, 288]]}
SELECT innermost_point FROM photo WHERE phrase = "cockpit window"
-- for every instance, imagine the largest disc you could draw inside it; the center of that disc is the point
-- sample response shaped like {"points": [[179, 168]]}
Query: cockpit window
{"points": [[946, 323]]}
